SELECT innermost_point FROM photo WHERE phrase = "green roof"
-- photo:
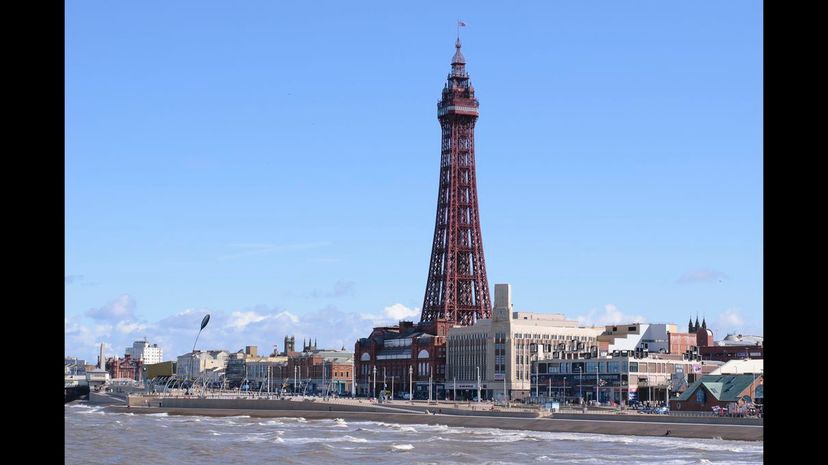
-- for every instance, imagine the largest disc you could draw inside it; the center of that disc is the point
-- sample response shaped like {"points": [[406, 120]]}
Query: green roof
{"points": [[725, 388]]}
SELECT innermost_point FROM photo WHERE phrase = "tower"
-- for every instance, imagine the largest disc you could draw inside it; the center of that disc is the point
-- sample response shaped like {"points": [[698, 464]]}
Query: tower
{"points": [[457, 289]]}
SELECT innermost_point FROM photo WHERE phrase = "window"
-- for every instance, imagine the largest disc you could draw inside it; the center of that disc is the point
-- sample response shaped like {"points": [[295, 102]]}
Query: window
{"points": [[631, 328], [700, 397]]}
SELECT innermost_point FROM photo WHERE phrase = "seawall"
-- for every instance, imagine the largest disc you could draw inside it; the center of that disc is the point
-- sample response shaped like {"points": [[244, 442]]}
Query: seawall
{"points": [[688, 427]]}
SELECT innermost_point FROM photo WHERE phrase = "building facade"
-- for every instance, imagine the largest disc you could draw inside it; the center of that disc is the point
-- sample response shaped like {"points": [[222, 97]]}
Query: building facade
{"points": [[618, 380], [314, 371], [125, 367], [734, 346], [200, 363], [500, 350], [723, 391], [406, 357]]}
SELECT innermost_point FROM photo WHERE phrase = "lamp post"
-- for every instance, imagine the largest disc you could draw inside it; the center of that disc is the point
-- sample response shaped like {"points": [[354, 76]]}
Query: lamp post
{"points": [[411, 384], [478, 384], [597, 382], [374, 384], [454, 395], [537, 379], [429, 386], [504, 386], [580, 383], [564, 390], [204, 322]]}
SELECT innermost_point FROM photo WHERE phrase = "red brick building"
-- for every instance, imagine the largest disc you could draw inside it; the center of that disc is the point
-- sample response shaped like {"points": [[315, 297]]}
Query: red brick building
{"points": [[680, 342], [394, 350], [731, 352], [124, 368]]}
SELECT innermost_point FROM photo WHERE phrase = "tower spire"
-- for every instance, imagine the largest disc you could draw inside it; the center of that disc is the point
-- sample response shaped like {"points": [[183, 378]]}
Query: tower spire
{"points": [[457, 289]]}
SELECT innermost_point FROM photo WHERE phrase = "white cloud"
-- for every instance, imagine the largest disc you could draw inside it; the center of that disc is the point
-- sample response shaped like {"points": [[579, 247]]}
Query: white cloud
{"points": [[241, 319], [400, 312], [127, 327], [611, 315], [122, 308], [391, 315]]}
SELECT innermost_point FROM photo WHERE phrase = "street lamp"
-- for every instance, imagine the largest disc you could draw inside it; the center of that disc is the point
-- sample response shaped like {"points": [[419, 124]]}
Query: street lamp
{"points": [[374, 393], [580, 383], [564, 390], [478, 384], [411, 384], [204, 322]]}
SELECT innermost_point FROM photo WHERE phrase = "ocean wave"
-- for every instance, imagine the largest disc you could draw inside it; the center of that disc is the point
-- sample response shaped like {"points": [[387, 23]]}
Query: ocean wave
{"points": [[271, 423], [160, 414], [402, 447]]}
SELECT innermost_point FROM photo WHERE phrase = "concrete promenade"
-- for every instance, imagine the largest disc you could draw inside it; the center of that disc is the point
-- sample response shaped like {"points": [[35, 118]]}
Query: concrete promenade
{"points": [[447, 414]]}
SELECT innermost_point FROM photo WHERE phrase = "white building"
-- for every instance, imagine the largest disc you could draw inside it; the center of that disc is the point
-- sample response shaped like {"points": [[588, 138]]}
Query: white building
{"points": [[142, 350], [504, 346], [629, 337], [741, 367], [198, 363], [739, 340]]}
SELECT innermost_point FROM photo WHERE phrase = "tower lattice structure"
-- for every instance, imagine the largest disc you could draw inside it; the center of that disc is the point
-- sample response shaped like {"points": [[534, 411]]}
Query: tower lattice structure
{"points": [[457, 289]]}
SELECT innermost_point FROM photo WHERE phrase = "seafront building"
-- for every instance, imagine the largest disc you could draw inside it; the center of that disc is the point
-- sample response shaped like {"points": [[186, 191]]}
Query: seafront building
{"points": [[500, 350], [248, 368], [731, 392], [616, 379], [318, 371], [199, 363], [405, 357]]}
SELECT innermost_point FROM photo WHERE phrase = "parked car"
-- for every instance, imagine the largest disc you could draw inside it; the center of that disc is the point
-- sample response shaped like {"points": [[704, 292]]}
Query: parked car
{"points": [[662, 410], [647, 410]]}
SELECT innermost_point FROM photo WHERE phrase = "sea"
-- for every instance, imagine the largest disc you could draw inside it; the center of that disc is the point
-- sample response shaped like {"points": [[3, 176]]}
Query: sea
{"points": [[96, 436]]}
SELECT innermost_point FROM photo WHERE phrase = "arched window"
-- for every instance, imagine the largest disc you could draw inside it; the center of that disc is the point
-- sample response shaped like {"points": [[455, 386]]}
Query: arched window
{"points": [[423, 354], [365, 357]]}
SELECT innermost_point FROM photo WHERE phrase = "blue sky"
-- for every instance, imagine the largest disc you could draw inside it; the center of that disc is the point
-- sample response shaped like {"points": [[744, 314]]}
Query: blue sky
{"points": [[275, 164]]}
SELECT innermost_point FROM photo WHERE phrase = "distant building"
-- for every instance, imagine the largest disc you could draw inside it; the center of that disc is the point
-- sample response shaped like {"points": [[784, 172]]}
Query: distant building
{"points": [[723, 391], [126, 367], [734, 346], [143, 351], [199, 363], [741, 367], [316, 371], [661, 338], [74, 366], [504, 347], [156, 370]]}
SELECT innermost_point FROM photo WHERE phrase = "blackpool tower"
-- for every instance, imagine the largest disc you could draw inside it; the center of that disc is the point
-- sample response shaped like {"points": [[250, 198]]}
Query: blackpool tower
{"points": [[457, 290]]}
